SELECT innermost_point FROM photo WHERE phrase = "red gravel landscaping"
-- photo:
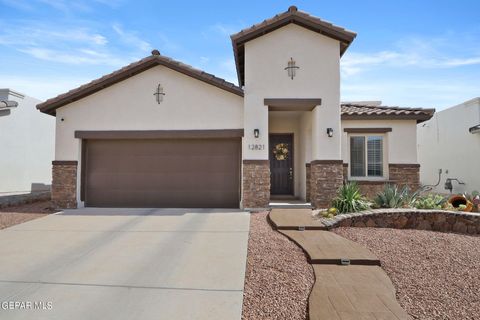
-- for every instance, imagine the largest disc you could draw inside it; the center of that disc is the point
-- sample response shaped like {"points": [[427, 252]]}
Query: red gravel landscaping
{"points": [[278, 279], [18, 214], [437, 275]]}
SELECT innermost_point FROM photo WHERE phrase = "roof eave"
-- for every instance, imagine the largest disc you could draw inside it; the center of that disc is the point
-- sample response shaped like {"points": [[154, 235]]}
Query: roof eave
{"points": [[418, 118], [51, 105]]}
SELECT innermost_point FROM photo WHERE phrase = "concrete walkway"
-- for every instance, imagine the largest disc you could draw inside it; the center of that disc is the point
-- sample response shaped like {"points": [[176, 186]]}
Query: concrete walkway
{"points": [[126, 264], [358, 290]]}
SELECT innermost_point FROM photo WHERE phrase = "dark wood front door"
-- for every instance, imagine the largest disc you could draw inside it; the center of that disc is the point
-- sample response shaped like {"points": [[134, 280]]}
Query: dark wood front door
{"points": [[281, 164]]}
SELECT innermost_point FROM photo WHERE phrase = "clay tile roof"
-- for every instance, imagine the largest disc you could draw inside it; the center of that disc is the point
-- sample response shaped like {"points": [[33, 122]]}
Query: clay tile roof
{"points": [[352, 111], [132, 69], [292, 15]]}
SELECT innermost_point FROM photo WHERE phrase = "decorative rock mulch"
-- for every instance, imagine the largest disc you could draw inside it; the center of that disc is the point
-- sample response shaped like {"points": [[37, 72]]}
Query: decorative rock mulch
{"points": [[436, 275], [438, 220], [10, 216], [278, 278]]}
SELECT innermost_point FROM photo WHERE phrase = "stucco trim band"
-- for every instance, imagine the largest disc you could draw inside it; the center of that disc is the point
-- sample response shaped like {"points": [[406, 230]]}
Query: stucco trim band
{"points": [[160, 134], [291, 104], [367, 130], [65, 162]]}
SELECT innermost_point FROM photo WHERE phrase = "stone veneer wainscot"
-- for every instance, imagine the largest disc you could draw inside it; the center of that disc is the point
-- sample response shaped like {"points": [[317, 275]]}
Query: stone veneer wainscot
{"points": [[256, 184], [64, 184], [399, 174], [326, 176]]}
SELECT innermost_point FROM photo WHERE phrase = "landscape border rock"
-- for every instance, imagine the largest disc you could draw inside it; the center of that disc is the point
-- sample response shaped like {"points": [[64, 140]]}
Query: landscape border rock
{"points": [[436, 220], [19, 199]]}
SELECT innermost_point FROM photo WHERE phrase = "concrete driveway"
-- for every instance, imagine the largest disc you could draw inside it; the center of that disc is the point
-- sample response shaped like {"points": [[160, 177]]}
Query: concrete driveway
{"points": [[125, 264]]}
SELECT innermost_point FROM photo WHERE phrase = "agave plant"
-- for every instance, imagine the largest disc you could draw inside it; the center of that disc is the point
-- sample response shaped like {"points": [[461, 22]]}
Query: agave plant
{"points": [[349, 199], [394, 197]]}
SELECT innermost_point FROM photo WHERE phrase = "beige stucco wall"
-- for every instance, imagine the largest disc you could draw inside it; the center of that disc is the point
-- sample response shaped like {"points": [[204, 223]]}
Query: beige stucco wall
{"points": [[444, 142], [400, 145], [189, 104], [318, 77]]}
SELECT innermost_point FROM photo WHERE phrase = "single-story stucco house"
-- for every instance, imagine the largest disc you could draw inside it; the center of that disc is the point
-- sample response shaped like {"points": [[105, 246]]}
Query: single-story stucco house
{"points": [[159, 133]]}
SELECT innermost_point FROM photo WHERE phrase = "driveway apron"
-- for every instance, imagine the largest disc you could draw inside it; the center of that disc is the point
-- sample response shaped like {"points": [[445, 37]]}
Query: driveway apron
{"points": [[125, 264]]}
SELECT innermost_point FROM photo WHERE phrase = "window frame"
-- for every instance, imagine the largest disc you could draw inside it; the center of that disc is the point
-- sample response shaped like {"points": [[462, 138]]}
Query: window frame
{"points": [[384, 157]]}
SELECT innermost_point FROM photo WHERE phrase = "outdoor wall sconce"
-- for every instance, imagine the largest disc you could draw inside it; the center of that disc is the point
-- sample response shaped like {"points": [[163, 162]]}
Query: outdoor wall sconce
{"points": [[256, 133], [159, 94], [291, 68], [329, 132]]}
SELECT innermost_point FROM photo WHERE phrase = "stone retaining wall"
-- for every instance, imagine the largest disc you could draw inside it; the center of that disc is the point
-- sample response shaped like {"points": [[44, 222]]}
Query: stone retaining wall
{"points": [[437, 220]]}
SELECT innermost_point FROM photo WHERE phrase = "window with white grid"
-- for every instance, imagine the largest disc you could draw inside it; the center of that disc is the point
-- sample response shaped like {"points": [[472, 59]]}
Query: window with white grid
{"points": [[366, 156]]}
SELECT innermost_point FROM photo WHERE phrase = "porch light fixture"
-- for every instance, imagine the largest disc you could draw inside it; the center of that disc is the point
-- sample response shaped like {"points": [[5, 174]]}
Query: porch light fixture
{"points": [[329, 132], [256, 133], [291, 68]]}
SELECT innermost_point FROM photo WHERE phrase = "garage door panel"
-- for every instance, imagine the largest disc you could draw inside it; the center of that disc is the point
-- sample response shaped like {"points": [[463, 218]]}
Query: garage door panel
{"points": [[177, 181], [151, 198], [162, 173]]}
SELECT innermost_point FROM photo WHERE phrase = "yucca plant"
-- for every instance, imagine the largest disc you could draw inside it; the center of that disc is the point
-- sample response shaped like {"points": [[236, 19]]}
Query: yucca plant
{"points": [[349, 199], [394, 197]]}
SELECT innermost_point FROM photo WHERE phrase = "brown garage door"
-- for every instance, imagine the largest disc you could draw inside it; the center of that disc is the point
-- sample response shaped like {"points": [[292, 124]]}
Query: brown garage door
{"points": [[164, 173]]}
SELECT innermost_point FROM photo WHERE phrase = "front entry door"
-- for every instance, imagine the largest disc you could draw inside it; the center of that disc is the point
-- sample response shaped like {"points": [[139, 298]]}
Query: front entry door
{"points": [[281, 164]]}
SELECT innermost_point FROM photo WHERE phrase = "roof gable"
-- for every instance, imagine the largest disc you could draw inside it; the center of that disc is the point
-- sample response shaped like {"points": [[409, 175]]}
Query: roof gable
{"points": [[132, 69], [300, 18]]}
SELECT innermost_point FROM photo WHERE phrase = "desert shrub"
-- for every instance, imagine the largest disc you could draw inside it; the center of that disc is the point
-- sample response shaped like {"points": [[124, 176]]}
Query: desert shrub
{"points": [[430, 201], [330, 213], [349, 199], [394, 197], [391, 197]]}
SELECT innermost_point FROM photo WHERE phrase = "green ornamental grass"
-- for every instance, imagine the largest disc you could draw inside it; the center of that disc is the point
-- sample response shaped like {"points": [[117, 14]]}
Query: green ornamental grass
{"points": [[349, 199]]}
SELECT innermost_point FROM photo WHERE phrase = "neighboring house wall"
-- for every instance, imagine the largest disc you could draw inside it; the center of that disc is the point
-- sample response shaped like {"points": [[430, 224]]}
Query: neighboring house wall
{"points": [[188, 104], [444, 142], [399, 153], [27, 139]]}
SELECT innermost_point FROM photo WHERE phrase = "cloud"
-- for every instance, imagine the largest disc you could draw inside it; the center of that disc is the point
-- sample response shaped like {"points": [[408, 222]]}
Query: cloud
{"points": [[130, 38], [435, 53], [224, 29], [41, 87], [73, 44], [65, 6], [35, 34], [410, 92], [77, 57], [18, 4]]}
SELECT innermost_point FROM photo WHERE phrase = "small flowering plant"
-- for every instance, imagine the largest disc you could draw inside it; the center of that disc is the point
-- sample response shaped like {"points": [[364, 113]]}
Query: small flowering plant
{"points": [[281, 151]]}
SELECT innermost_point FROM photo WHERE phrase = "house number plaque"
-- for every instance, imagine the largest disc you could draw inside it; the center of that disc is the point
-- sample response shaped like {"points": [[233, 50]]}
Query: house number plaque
{"points": [[256, 147]]}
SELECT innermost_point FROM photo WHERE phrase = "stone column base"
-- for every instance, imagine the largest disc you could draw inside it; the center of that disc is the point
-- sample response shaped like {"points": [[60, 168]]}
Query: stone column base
{"points": [[405, 174], [308, 182], [64, 184], [326, 178], [256, 184]]}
